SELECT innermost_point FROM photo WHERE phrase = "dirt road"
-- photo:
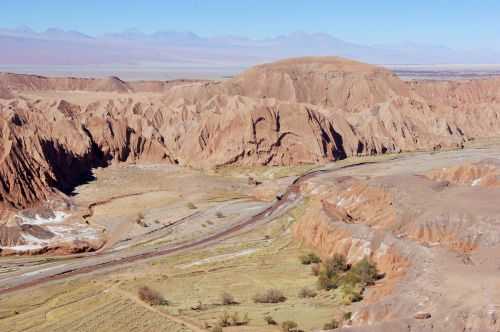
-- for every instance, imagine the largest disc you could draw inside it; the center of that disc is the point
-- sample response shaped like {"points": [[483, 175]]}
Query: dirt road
{"points": [[108, 260], [90, 264]]}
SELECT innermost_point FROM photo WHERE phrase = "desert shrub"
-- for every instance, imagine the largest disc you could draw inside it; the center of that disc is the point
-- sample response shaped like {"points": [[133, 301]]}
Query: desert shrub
{"points": [[219, 215], [306, 293], [331, 325], [315, 269], [270, 296], [227, 299], [336, 264], [289, 326], [150, 296], [350, 278], [366, 271], [309, 259], [350, 294], [190, 205], [362, 272], [347, 316], [326, 282], [269, 320]]}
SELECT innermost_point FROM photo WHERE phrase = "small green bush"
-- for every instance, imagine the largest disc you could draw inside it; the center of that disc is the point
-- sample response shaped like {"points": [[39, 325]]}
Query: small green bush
{"points": [[350, 278], [310, 258], [367, 271], [350, 294]]}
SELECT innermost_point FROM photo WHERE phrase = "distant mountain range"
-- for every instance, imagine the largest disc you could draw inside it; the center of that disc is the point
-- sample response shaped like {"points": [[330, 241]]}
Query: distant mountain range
{"points": [[24, 46]]}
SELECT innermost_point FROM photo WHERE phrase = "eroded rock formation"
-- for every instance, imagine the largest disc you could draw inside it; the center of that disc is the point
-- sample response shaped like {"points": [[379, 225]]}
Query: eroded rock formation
{"points": [[308, 110], [485, 174], [432, 235]]}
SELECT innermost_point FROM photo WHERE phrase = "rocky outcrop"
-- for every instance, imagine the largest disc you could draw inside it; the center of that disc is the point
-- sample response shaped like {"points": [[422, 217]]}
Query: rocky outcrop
{"points": [[485, 174], [307, 110], [434, 243]]}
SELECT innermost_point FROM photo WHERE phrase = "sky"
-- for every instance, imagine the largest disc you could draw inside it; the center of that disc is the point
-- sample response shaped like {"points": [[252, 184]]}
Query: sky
{"points": [[462, 24]]}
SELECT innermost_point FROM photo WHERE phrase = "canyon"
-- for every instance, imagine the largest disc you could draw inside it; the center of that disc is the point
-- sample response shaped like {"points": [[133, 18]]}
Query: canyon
{"points": [[318, 154], [256, 118]]}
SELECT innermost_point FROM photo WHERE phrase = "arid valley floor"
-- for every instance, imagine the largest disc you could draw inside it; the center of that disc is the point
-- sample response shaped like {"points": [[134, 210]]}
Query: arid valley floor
{"points": [[210, 194]]}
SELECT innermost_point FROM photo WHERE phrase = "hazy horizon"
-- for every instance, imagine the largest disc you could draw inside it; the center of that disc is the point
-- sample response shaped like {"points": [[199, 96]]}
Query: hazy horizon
{"points": [[454, 24], [197, 39]]}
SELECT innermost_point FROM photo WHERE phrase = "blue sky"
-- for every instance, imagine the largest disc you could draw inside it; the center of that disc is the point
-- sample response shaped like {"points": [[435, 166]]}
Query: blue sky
{"points": [[466, 24]]}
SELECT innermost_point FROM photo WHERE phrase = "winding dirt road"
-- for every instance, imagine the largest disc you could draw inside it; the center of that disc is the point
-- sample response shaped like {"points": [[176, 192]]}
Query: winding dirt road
{"points": [[280, 206]]}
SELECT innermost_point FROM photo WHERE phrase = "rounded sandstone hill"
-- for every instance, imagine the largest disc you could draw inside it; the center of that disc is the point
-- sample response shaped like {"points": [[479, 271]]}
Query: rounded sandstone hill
{"points": [[111, 84], [327, 81]]}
